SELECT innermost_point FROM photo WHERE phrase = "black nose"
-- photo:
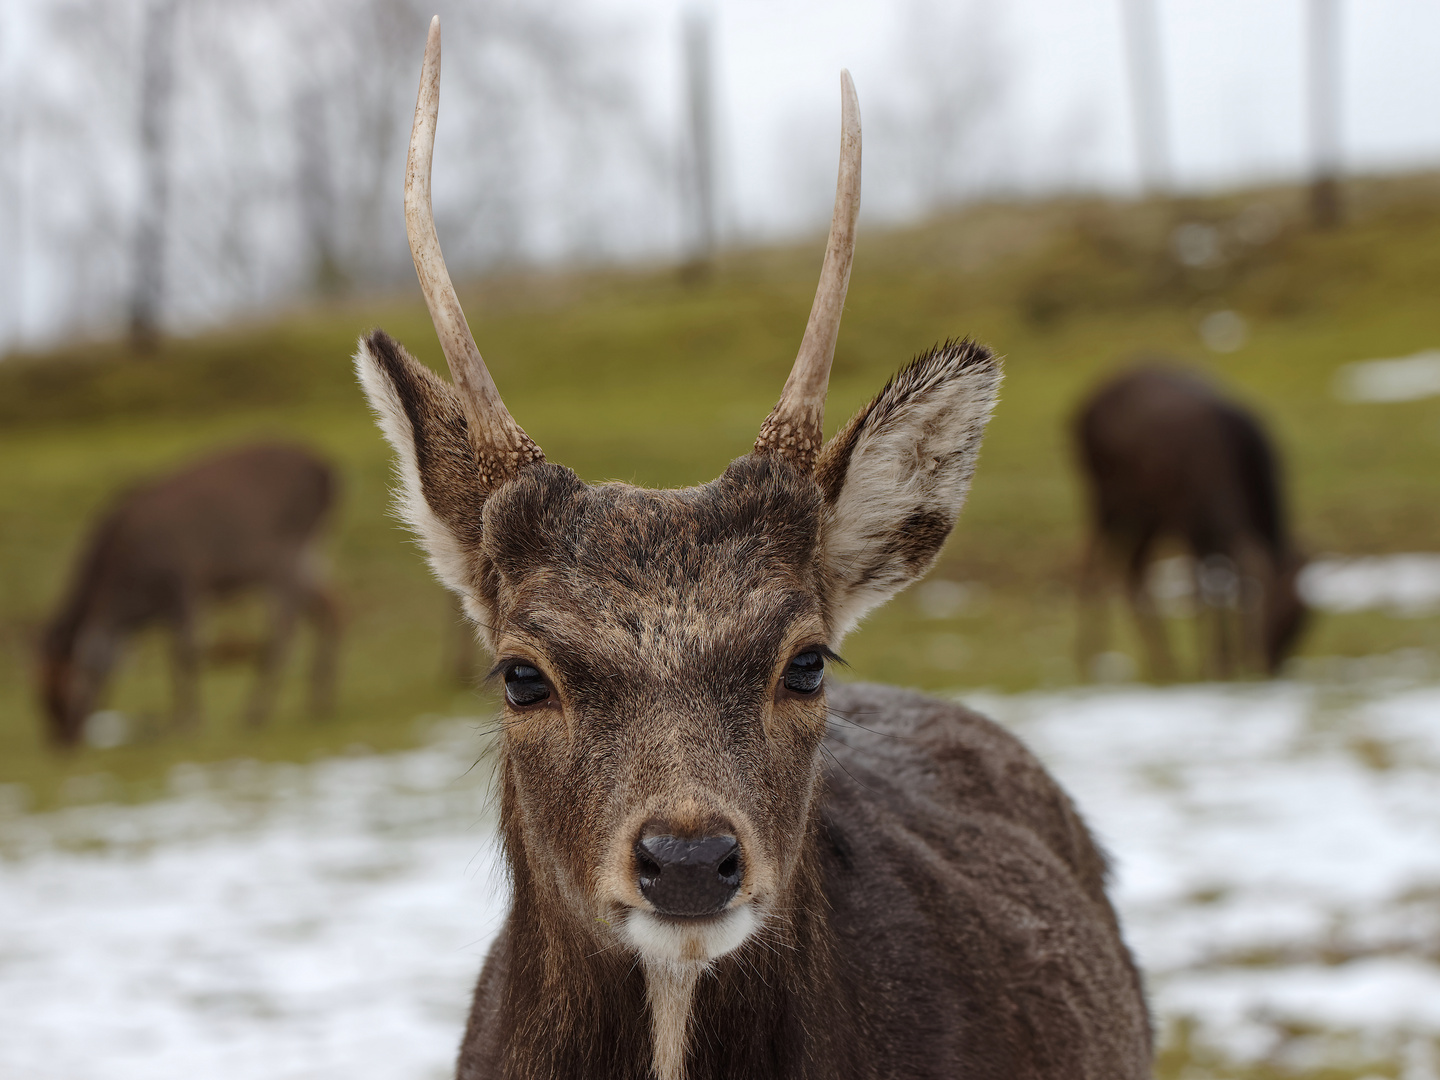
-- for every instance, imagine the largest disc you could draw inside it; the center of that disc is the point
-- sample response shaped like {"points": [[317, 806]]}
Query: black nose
{"points": [[688, 877]]}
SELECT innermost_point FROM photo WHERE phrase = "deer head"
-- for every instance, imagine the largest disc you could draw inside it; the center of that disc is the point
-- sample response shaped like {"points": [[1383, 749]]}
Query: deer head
{"points": [[76, 656], [663, 652]]}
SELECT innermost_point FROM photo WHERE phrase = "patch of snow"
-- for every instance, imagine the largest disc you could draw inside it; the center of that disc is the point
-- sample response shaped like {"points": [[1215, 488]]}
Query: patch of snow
{"points": [[1277, 852], [271, 921], [1406, 379], [1407, 585], [1224, 331], [1277, 849]]}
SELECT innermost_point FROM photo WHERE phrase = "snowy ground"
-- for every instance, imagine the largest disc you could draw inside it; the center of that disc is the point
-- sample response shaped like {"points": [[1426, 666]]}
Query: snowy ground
{"points": [[1278, 853], [1278, 857], [1403, 585], [1407, 378]]}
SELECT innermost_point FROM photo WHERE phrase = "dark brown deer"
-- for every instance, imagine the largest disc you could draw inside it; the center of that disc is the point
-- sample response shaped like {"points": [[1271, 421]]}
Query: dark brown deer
{"points": [[248, 518], [1166, 456], [722, 866]]}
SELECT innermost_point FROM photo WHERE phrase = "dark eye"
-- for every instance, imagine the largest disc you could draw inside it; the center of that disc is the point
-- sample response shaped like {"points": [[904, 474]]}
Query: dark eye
{"points": [[524, 685], [805, 673]]}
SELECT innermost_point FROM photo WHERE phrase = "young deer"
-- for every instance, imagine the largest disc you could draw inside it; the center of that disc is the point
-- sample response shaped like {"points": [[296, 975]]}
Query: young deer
{"points": [[698, 892], [247, 518], [1166, 456]]}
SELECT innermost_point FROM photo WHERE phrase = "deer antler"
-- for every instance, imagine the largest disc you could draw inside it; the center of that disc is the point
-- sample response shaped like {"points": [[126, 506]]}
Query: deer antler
{"points": [[500, 444], [794, 428]]}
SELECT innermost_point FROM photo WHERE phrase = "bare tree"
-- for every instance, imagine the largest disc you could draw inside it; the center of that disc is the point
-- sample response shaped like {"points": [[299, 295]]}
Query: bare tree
{"points": [[543, 113], [157, 87], [315, 187], [938, 133], [1324, 27], [270, 139], [12, 212], [1147, 93], [699, 178]]}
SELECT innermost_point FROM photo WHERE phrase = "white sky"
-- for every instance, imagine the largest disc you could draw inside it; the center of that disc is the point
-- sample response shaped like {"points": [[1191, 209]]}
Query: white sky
{"points": [[1236, 74]]}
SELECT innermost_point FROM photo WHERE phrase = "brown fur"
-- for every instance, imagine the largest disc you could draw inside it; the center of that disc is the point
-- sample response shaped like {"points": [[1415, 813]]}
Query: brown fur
{"points": [[925, 900], [1165, 455], [245, 519]]}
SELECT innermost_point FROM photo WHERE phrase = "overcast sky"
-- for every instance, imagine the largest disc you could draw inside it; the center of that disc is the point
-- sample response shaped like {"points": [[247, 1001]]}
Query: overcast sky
{"points": [[1235, 69], [1057, 117]]}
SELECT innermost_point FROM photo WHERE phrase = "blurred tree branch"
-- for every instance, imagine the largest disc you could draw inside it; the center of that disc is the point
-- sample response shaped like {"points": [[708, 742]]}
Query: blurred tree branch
{"points": [[268, 157]]}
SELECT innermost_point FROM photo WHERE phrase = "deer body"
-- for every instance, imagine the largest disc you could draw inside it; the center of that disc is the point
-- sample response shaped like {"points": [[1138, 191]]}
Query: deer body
{"points": [[1165, 455], [243, 519], [697, 893], [948, 918]]}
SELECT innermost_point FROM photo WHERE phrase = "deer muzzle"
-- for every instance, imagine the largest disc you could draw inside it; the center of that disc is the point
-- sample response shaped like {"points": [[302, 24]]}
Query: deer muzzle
{"points": [[688, 878]]}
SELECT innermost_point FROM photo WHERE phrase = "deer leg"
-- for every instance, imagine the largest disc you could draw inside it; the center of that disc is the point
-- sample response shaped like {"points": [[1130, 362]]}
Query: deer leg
{"points": [[1225, 642], [325, 616], [185, 665], [1154, 639], [1215, 641], [1220, 598], [1204, 630], [284, 613], [1256, 586], [1092, 612], [1223, 589]]}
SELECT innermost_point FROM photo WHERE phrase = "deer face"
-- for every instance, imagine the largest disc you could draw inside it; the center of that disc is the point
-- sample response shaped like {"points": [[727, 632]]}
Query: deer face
{"points": [[74, 665], [662, 658], [57, 688], [662, 653]]}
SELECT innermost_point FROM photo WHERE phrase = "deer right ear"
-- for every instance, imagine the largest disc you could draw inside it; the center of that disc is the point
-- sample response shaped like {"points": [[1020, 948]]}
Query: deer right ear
{"points": [[439, 493], [896, 477]]}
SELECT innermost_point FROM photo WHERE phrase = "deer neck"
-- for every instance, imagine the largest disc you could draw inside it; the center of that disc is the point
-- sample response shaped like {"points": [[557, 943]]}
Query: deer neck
{"points": [[670, 995]]}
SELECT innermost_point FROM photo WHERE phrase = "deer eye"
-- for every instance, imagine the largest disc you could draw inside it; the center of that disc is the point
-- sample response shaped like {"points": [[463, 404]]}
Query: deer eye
{"points": [[524, 685], [805, 673]]}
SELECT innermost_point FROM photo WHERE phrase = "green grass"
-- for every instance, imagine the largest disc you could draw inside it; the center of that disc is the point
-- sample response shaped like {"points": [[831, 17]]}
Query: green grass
{"points": [[643, 376]]}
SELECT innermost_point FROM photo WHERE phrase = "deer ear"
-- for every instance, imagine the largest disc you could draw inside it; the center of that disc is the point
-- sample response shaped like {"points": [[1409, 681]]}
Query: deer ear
{"points": [[896, 476], [438, 493]]}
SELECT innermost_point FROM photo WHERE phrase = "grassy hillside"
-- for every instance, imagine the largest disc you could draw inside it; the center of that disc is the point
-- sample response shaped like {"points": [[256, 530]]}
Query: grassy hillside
{"points": [[647, 377]]}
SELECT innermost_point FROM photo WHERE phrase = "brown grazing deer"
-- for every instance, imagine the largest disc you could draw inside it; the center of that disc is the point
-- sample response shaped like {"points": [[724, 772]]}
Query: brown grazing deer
{"points": [[1167, 457], [722, 866], [248, 518]]}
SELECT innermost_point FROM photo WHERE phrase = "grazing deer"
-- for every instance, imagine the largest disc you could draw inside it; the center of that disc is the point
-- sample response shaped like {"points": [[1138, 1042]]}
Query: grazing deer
{"points": [[1166, 456], [248, 518], [710, 878]]}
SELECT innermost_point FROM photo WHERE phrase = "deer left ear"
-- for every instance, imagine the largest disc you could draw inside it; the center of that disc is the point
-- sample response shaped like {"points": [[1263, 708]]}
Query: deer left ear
{"points": [[896, 477]]}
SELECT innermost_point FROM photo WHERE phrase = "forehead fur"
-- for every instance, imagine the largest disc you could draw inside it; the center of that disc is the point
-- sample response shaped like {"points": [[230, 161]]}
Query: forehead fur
{"points": [[705, 563]]}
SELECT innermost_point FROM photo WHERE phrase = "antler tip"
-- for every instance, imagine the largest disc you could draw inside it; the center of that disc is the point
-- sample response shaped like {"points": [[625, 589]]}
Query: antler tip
{"points": [[849, 100]]}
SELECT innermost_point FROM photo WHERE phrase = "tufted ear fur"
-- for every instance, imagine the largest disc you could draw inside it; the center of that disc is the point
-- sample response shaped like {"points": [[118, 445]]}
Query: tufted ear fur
{"points": [[438, 492], [896, 476]]}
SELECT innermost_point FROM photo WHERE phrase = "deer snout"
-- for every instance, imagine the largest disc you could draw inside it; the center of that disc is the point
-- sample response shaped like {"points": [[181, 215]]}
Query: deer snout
{"points": [[688, 878]]}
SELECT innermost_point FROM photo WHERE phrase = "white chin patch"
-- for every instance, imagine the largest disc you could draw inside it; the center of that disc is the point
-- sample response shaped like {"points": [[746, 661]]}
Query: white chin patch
{"points": [[658, 938]]}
